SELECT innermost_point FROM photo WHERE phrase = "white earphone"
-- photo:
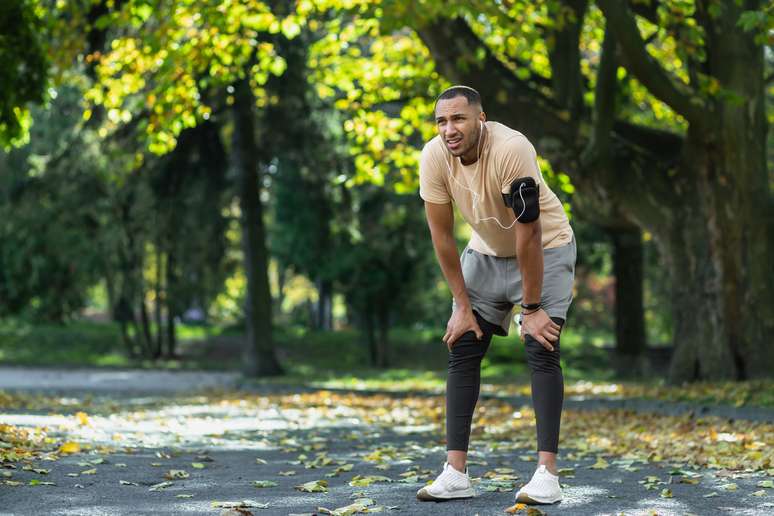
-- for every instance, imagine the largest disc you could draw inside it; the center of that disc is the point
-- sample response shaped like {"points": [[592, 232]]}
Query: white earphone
{"points": [[476, 196]]}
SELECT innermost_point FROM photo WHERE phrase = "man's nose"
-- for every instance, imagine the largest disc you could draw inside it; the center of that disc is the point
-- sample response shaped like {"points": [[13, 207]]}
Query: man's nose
{"points": [[449, 130]]}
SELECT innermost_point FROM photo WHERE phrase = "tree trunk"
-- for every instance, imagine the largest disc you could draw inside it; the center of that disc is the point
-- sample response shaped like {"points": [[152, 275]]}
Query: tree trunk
{"points": [[721, 245], [158, 288], [630, 339], [282, 274], [171, 303], [146, 336], [369, 327], [324, 305], [260, 357], [383, 340], [629, 310]]}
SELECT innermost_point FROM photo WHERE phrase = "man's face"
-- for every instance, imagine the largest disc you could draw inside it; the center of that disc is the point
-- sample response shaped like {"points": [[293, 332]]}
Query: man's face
{"points": [[458, 124]]}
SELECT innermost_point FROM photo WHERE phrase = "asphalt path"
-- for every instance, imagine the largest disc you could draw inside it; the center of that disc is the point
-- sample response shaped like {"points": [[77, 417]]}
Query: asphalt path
{"points": [[232, 448]]}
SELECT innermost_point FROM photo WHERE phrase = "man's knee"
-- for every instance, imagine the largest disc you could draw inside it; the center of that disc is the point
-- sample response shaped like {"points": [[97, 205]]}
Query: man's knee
{"points": [[539, 358]]}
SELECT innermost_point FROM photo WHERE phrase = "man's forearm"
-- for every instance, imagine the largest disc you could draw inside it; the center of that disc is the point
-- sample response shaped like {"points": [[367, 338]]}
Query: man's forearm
{"points": [[446, 251], [529, 253]]}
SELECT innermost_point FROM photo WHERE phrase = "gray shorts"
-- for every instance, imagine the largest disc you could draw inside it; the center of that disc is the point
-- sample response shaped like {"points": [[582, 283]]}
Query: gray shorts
{"points": [[494, 283]]}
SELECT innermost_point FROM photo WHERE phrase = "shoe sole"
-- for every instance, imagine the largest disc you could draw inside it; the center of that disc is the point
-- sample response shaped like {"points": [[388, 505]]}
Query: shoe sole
{"points": [[424, 496], [525, 498]]}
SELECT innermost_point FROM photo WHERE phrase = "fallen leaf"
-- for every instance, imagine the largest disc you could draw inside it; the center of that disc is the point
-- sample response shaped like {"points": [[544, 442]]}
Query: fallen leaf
{"points": [[244, 504], [36, 482], [341, 469], [92, 471], [766, 483], [666, 493], [365, 481], [69, 447], [762, 492], [360, 505], [127, 483], [82, 418], [315, 486], [172, 474], [264, 483], [184, 495], [197, 465], [160, 486], [236, 512], [600, 464], [516, 508]]}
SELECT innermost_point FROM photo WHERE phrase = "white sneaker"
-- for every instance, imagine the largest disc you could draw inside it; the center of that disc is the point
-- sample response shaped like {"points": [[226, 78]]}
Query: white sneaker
{"points": [[543, 488], [450, 485]]}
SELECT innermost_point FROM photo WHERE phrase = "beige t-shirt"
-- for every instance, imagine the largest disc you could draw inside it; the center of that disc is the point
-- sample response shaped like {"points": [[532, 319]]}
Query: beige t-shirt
{"points": [[506, 155]]}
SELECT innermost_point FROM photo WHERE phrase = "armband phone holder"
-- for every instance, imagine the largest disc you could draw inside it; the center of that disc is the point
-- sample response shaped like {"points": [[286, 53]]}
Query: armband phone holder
{"points": [[524, 199]]}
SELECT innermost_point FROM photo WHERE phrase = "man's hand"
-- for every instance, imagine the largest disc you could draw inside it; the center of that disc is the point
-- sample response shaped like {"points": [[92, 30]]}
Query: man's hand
{"points": [[461, 322], [541, 327]]}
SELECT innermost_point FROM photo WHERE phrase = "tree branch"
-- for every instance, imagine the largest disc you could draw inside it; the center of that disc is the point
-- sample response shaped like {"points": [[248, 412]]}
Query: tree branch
{"points": [[647, 70], [451, 49], [604, 97], [565, 59], [454, 45]]}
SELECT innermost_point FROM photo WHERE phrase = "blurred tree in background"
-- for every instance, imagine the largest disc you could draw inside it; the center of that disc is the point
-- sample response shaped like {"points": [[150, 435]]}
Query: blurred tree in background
{"points": [[168, 122]]}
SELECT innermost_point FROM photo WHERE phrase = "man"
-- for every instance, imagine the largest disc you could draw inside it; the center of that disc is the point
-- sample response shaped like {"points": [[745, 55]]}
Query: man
{"points": [[522, 251]]}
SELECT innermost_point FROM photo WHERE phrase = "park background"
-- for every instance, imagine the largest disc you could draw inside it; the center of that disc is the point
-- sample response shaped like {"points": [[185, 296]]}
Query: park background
{"points": [[233, 186]]}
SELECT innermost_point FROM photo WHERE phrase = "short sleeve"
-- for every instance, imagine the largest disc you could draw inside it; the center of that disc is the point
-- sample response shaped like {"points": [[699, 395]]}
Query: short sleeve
{"points": [[518, 159], [432, 187]]}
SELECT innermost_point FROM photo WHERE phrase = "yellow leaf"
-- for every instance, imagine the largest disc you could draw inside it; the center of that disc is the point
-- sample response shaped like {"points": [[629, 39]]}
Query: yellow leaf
{"points": [[83, 418], [600, 464], [70, 447]]}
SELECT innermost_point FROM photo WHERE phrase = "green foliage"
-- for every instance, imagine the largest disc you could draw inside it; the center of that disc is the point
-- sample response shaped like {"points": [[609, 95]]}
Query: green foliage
{"points": [[25, 67], [51, 204], [761, 22], [172, 56]]}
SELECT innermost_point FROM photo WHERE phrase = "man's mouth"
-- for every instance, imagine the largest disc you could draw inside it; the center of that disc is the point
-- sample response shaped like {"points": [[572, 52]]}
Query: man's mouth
{"points": [[454, 143]]}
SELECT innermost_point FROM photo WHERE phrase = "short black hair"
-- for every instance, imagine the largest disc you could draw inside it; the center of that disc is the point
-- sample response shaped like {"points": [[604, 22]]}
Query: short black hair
{"points": [[460, 90]]}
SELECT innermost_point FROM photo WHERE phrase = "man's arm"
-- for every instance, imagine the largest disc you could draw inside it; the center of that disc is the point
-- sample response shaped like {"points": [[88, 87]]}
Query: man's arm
{"points": [[440, 219], [529, 253]]}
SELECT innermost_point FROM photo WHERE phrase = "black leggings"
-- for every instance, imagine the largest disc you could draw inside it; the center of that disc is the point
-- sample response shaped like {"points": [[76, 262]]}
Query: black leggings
{"points": [[464, 381]]}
